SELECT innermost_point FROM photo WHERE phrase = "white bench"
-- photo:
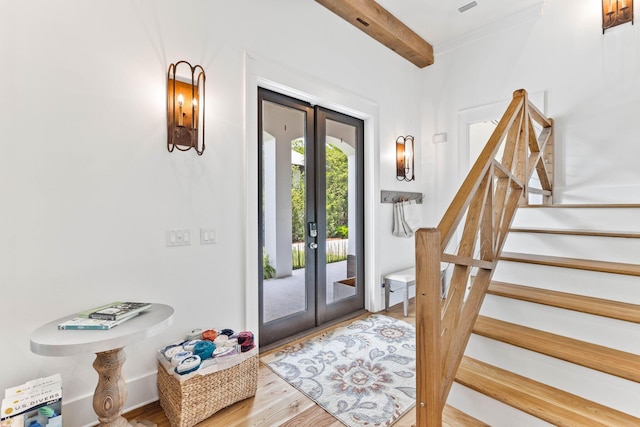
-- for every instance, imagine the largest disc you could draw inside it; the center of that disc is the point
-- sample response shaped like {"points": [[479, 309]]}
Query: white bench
{"points": [[403, 278], [406, 278]]}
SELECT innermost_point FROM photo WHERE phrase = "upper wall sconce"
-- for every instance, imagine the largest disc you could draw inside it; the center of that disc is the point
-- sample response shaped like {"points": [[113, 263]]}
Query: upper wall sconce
{"points": [[185, 107], [616, 12], [404, 158]]}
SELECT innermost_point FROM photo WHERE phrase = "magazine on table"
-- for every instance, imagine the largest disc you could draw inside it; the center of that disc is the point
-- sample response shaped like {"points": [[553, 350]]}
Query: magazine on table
{"points": [[118, 310], [85, 323]]}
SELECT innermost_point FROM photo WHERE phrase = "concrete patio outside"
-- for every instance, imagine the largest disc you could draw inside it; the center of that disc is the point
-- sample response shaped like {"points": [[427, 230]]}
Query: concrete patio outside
{"points": [[285, 296]]}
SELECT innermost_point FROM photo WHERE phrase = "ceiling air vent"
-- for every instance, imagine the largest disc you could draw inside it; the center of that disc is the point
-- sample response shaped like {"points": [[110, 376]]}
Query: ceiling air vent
{"points": [[467, 6]]}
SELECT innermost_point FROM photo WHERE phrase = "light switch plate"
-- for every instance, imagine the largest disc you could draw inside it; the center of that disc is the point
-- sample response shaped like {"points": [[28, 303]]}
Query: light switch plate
{"points": [[178, 238], [207, 236]]}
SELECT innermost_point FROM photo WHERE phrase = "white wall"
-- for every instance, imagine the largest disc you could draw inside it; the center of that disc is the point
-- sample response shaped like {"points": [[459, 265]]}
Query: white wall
{"points": [[592, 88], [87, 188]]}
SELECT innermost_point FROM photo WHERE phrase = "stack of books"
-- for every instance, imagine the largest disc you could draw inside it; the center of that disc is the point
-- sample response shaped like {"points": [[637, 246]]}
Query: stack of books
{"points": [[106, 316], [34, 403]]}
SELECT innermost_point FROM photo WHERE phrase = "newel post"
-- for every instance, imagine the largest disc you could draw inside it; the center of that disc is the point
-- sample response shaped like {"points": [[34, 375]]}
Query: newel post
{"points": [[429, 387]]}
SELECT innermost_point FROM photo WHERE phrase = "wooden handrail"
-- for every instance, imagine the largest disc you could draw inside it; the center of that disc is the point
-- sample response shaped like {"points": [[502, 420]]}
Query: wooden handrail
{"points": [[479, 216]]}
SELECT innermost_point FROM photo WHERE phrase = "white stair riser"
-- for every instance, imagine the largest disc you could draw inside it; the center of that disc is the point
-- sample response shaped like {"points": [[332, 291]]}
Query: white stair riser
{"points": [[596, 386], [604, 331], [490, 411], [612, 219], [605, 389], [617, 287], [624, 250]]}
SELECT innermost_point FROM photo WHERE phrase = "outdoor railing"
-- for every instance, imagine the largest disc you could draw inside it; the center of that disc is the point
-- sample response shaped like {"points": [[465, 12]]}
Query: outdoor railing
{"points": [[518, 155]]}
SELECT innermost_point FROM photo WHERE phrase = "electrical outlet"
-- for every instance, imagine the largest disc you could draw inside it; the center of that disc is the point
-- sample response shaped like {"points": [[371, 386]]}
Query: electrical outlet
{"points": [[207, 236], [178, 238]]}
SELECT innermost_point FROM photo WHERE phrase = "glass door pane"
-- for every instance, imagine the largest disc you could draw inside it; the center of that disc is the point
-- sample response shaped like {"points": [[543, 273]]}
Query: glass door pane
{"points": [[339, 187], [341, 230], [283, 181], [287, 288]]}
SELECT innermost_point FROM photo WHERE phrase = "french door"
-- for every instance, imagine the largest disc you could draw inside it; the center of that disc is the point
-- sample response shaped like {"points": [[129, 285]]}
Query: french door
{"points": [[311, 242]]}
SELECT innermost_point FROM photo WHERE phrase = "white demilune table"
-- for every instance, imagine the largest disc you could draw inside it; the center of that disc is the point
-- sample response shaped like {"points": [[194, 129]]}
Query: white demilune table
{"points": [[108, 345]]}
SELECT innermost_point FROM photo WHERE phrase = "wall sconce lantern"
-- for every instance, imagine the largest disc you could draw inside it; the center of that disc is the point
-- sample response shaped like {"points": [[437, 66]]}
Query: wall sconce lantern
{"points": [[616, 12], [404, 158], [185, 107]]}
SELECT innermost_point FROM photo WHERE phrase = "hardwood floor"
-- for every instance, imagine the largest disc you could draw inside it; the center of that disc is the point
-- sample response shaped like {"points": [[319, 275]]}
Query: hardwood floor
{"points": [[276, 403]]}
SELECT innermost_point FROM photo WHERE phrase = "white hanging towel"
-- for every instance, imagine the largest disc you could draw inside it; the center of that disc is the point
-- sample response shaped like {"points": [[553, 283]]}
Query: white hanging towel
{"points": [[412, 214], [398, 229], [407, 217]]}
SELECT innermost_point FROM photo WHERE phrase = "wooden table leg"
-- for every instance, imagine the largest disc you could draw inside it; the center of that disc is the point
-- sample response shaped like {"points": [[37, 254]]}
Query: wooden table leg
{"points": [[111, 392]]}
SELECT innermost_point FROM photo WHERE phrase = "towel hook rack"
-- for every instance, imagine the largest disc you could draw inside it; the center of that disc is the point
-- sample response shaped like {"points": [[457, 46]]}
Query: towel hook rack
{"points": [[387, 196]]}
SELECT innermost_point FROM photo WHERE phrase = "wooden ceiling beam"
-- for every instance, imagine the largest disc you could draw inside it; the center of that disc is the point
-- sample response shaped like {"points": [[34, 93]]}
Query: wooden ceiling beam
{"points": [[377, 22]]}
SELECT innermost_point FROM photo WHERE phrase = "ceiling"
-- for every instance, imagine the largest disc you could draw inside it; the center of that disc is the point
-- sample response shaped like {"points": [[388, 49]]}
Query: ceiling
{"points": [[439, 21]]}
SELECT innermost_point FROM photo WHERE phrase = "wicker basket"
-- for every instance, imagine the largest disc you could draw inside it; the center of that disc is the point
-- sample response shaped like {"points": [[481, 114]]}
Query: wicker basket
{"points": [[187, 402]]}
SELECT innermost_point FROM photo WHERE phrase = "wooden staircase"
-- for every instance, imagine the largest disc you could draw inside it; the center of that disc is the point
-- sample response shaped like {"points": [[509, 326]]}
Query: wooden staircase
{"points": [[558, 337], [542, 401]]}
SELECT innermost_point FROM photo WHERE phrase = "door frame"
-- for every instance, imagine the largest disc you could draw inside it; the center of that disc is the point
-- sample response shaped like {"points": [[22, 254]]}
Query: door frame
{"points": [[261, 71], [483, 113]]}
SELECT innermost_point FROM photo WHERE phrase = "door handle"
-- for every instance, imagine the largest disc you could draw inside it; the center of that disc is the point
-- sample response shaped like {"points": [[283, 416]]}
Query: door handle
{"points": [[313, 245], [313, 229]]}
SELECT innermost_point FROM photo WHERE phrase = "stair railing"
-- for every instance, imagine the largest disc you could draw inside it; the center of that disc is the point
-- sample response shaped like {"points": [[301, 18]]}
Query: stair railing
{"points": [[479, 217]]}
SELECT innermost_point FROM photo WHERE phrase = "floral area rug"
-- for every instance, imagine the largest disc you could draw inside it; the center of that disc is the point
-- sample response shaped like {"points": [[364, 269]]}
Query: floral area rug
{"points": [[363, 373]]}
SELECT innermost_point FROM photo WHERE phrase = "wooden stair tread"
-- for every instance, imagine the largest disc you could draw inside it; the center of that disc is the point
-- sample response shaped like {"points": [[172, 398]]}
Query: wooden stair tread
{"points": [[593, 356], [582, 206], [574, 232], [576, 263], [540, 400], [597, 306], [452, 417]]}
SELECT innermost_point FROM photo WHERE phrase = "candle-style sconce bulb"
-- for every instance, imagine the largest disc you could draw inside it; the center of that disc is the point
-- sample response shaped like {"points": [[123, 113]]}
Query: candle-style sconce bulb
{"points": [[180, 113], [194, 113]]}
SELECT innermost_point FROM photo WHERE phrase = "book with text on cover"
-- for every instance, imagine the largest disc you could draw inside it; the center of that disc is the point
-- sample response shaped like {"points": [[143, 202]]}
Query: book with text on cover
{"points": [[84, 323], [34, 403], [119, 310]]}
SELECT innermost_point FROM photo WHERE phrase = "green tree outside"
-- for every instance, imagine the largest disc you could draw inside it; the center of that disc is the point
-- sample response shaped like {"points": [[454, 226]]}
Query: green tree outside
{"points": [[337, 191], [336, 196], [297, 195]]}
